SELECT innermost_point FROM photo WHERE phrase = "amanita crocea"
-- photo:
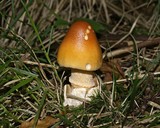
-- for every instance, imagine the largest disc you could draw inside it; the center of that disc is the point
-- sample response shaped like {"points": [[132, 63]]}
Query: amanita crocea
{"points": [[81, 52]]}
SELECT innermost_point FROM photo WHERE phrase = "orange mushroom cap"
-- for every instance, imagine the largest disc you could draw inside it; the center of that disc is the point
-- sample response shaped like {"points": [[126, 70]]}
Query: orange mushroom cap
{"points": [[80, 48]]}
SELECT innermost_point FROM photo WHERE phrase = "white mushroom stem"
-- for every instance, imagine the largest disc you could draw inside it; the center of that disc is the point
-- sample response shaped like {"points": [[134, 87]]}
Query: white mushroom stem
{"points": [[83, 86], [80, 78]]}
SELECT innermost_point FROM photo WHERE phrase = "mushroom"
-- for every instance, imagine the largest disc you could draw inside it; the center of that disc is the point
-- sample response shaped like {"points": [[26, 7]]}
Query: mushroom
{"points": [[81, 52]]}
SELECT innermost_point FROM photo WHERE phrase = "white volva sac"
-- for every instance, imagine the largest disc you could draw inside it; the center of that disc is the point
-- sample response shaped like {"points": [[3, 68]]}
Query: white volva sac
{"points": [[76, 96]]}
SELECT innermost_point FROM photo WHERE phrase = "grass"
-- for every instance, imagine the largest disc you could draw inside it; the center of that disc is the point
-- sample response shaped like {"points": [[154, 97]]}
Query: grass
{"points": [[31, 82]]}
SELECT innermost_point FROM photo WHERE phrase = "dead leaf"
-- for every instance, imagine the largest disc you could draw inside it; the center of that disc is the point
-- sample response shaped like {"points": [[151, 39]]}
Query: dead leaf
{"points": [[108, 77], [113, 66], [110, 68], [44, 123]]}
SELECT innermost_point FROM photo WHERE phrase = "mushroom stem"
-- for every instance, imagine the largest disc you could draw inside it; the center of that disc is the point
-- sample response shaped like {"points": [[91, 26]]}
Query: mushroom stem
{"points": [[81, 78], [83, 86]]}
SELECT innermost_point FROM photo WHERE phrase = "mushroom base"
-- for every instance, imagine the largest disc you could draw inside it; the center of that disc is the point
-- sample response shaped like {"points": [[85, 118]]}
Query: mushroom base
{"points": [[76, 96], [83, 86]]}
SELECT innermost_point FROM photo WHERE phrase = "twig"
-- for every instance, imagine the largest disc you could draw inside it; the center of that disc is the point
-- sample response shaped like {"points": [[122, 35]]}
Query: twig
{"points": [[100, 125], [128, 49], [13, 81], [40, 64], [153, 104], [125, 80]]}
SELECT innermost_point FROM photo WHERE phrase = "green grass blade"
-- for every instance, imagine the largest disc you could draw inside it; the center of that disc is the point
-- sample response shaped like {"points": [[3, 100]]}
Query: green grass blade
{"points": [[19, 85], [23, 72], [40, 107]]}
